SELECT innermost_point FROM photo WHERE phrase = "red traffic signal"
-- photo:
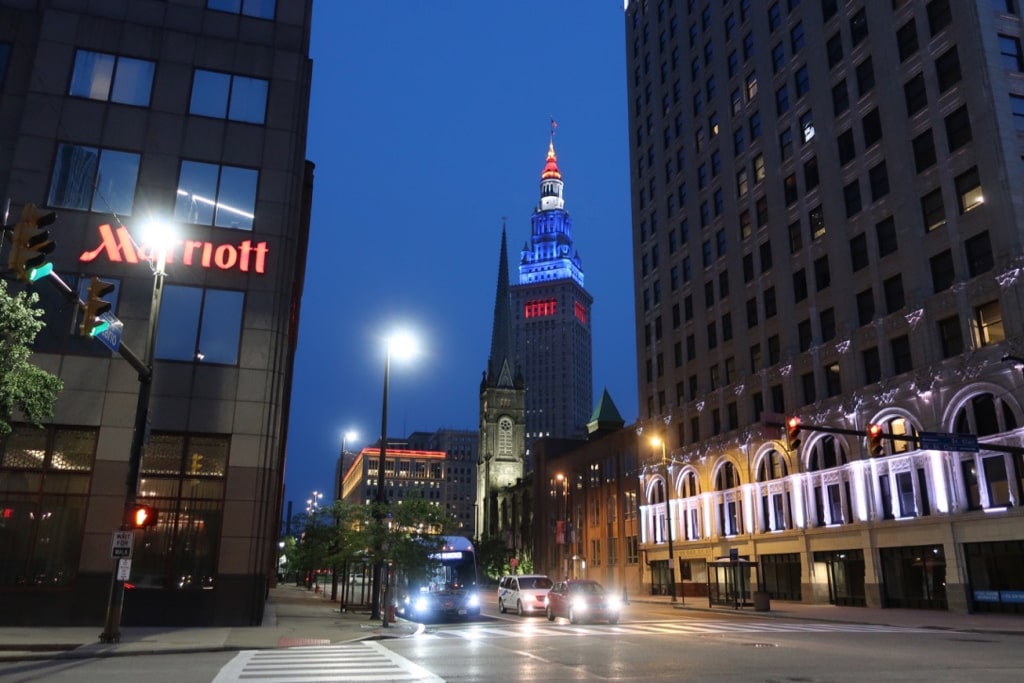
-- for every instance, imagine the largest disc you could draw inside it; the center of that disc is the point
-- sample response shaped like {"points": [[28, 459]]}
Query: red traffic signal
{"points": [[875, 439], [793, 433], [141, 516]]}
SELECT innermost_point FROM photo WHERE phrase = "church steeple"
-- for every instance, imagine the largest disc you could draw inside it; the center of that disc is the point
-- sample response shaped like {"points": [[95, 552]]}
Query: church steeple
{"points": [[499, 365]]}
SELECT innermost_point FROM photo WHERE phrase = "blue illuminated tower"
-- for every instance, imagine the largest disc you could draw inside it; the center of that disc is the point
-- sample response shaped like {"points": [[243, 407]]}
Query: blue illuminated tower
{"points": [[551, 319]]}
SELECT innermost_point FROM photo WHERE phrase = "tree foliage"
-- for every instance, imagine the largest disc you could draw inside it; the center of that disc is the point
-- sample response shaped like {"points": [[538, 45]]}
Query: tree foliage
{"points": [[404, 533], [23, 386]]}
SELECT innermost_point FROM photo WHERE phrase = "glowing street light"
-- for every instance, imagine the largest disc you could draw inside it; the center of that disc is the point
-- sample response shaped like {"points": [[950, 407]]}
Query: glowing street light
{"points": [[159, 237], [402, 345]]}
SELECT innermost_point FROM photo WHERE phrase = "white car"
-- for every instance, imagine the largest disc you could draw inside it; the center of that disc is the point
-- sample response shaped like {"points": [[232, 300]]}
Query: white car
{"points": [[524, 593]]}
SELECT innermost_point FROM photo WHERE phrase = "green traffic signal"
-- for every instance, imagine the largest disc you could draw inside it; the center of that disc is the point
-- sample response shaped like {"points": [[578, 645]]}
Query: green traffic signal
{"points": [[95, 306]]}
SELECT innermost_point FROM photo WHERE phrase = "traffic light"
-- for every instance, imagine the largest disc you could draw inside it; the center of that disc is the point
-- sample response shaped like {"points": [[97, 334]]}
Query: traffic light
{"points": [[141, 516], [95, 306], [30, 244], [875, 439], [792, 433]]}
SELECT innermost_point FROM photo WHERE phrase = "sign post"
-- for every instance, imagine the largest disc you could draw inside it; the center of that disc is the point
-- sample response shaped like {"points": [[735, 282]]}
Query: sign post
{"points": [[121, 544]]}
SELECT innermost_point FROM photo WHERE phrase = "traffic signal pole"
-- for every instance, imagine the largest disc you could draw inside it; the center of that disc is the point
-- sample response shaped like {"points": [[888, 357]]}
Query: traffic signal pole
{"points": [[914, 439], [112, 623]]}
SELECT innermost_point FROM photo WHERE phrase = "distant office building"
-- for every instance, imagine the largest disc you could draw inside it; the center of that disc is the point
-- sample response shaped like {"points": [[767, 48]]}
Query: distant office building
{"points": [[117, 113], [407, 473], [827, 225], [551, 319], [460, 447]]}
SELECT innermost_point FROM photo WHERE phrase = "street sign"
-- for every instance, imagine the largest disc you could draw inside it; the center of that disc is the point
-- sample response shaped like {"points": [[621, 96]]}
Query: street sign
{"points": [[111, 337], [936, 441], [124, 569], [121, 544]]}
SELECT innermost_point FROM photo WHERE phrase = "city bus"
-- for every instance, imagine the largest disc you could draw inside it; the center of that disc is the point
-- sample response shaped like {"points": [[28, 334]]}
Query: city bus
{"points": [[446, 587]]}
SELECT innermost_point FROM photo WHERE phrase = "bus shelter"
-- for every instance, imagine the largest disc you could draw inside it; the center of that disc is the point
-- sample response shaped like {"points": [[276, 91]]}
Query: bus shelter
{"points": [[733, 582]]}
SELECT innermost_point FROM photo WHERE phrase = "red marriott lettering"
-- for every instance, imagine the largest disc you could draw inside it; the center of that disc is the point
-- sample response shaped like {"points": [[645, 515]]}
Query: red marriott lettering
{"points": [[119, 247]]}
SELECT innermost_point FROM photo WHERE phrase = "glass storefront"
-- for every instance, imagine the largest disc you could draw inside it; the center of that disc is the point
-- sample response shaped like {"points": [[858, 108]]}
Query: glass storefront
{"points": [[914, 576], [845, 576], [994, 573]]}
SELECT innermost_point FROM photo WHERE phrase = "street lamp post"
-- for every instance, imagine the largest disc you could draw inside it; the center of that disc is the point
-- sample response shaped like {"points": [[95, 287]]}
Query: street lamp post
{"points": [[401, 344], [564, 516], [657, 441], [1016, 360], [115, 603]]}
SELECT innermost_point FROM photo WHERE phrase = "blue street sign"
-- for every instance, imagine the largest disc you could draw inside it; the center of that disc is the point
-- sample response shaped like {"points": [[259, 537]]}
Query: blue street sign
{"points": [[111, 336], [935, 441]]}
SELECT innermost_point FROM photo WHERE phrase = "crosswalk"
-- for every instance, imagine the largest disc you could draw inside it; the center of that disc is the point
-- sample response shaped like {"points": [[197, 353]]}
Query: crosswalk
{"points": [[360, 661], [545, 630]]}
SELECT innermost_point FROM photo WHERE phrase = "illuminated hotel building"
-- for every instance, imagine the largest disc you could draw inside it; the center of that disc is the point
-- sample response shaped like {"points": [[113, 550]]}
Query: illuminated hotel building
{"points": [[407, 473], [551, 319], [115, 114], [827, 224]]}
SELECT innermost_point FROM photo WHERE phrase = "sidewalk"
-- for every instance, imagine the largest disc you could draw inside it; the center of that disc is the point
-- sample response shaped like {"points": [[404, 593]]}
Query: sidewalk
{"points": [[296, 616], [293, 616], [906, 618]]}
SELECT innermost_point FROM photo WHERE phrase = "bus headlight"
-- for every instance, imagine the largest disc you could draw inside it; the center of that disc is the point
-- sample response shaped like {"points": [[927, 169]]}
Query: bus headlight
{"points": [[473, 600], [421, 605]]}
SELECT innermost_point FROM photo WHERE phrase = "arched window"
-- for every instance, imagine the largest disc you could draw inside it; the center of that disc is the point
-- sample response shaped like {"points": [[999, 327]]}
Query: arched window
{"points": [[727, 477], [991, 480], [985, 414], [689, 487], [825, 453], [775, 501], [729, 502], [772, 466]]}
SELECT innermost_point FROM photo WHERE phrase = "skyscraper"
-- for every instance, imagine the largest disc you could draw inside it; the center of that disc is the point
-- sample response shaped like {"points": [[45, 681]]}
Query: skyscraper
{"points": [[117, 114], [825, 225], [551, 318]]}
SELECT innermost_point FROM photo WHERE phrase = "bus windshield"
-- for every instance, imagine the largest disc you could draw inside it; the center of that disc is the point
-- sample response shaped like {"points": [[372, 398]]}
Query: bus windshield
{"points": [[449, 570]]}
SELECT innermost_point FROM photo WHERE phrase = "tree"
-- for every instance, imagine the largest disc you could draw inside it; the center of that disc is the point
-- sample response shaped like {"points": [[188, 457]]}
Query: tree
{"points": [[23, 386]]}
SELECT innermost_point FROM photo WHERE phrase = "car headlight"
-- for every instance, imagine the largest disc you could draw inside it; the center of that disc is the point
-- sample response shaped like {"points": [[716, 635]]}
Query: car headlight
{"points": [[474, 600], [614, 604], [579, 604], [421, 605]]}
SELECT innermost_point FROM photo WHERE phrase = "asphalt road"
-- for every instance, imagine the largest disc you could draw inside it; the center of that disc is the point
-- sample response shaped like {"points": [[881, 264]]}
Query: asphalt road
{"points": [[650, 643]]}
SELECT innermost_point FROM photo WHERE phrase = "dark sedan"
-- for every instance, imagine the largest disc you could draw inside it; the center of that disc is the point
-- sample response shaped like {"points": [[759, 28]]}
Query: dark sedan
{"points": [[582, 600]]}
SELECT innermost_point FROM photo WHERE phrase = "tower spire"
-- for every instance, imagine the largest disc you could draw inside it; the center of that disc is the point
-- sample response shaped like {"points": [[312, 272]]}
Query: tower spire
{"points": [[499, 369]]}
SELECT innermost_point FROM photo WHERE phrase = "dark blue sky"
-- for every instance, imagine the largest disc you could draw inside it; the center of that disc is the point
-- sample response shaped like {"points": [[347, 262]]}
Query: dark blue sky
{"points": [[429, 123]]}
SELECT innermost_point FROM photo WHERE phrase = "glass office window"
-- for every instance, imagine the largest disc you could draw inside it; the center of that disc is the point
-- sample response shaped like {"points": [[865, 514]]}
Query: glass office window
{"points": [[200, 325], [106, 77], [222, 95], [224, 196], [88, 178], [261, 9]]}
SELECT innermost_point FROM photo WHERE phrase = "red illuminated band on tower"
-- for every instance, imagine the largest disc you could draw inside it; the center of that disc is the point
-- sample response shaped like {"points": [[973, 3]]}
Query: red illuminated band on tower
{"points": [[119, 248], [540, 308]]}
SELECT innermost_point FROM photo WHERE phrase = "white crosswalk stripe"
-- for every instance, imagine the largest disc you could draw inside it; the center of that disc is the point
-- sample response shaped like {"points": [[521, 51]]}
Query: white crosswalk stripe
{"points": [[668, 628], [363, 661]]}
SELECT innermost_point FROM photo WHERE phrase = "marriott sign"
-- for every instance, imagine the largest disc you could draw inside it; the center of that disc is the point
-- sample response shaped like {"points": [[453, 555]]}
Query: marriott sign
{"points": [[118, 246]]}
